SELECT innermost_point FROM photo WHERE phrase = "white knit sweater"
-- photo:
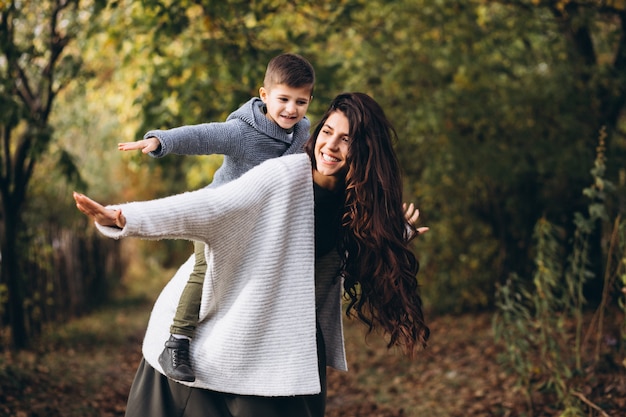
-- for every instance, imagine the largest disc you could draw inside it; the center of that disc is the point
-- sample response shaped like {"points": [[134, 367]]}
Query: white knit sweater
{"points": [[257, 330]]}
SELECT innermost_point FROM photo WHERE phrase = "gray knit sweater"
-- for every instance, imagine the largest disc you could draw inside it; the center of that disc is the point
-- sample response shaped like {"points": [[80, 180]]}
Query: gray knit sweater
{"points": [[263, 291], [246, 139]]}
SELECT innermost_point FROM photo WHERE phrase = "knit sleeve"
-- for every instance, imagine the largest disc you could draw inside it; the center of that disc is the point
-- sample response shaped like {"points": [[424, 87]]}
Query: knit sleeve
{"points": [[207, 214], [222, 138]]}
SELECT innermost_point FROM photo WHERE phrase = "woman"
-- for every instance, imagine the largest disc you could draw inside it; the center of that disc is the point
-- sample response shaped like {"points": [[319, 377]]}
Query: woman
{"points": [[282, 245]]}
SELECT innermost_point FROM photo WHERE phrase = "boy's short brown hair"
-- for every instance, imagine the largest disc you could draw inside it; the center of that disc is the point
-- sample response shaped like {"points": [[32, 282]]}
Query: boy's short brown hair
{"points": [[291, 70]]}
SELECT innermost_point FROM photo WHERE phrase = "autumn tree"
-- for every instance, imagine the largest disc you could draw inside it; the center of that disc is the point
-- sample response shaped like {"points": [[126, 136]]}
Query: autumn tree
{"points": [[37, 62], [499, 105]]}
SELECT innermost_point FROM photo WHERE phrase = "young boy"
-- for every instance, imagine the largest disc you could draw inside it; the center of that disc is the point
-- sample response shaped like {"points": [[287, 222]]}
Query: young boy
{"points": [[263, 128]]}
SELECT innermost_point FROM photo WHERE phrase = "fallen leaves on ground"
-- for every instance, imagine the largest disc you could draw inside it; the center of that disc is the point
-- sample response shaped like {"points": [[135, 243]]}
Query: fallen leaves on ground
{"points": [[458, 375]]}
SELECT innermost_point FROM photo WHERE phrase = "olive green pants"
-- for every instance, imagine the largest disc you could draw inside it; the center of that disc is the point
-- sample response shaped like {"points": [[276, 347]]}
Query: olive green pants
{"points": [[186, 318]]}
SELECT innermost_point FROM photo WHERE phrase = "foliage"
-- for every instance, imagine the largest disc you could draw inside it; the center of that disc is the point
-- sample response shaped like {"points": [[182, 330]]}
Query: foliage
{"points": [[621, 284], [532, 319], [494, 110], [532, 322], [494, 102], [36, 64]]}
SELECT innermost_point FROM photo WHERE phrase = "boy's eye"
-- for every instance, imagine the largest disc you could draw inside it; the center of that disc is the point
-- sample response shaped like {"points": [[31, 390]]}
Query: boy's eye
{"points": [[302, 103]]}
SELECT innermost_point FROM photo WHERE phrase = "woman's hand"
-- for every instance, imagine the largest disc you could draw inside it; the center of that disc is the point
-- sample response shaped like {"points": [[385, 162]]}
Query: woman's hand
{"points": [[99, 213], [412, 214]]}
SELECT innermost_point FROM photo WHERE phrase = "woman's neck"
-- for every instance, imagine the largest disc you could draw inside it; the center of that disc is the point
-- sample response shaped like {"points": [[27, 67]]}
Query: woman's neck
{"points": [[329, 182]]}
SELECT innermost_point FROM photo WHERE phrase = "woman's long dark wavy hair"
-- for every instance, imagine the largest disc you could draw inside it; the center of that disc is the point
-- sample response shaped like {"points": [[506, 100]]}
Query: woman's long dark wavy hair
{"points": [[378, 266]]}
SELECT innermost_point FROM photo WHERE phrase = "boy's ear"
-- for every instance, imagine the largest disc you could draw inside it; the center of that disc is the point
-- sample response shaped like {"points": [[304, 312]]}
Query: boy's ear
{"points": [[263, 94]]}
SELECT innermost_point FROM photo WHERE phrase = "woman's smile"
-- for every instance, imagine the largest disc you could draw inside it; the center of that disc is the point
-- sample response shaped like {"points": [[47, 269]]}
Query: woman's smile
{"points": [[329, 158]]}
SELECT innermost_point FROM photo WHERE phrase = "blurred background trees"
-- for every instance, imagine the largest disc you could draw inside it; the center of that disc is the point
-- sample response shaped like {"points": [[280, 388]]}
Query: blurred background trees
{"points": [[499, 106], [40, 58]]}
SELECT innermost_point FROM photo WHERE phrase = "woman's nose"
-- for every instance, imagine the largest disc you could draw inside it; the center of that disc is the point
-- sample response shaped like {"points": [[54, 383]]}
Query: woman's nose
{"points": [[333, 142]]}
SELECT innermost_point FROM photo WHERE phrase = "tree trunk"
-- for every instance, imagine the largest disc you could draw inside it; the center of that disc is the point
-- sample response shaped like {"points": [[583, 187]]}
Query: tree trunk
{"points": [[11, 275]]}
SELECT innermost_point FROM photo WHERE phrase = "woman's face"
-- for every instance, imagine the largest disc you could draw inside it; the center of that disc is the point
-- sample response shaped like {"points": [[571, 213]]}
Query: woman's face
{"points": [[331, 151]]}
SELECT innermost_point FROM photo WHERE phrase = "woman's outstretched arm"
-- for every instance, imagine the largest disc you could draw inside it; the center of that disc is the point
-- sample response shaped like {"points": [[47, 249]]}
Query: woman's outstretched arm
{"points": [[100, 214]]}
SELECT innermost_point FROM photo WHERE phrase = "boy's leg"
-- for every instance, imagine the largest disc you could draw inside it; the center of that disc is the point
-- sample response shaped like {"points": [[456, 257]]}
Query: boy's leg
{"points": [[186, 318], [175, 357]]}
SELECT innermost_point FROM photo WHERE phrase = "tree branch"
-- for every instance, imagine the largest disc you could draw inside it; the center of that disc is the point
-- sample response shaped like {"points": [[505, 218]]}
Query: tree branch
{"points": [[584, 399], [58, 43]]}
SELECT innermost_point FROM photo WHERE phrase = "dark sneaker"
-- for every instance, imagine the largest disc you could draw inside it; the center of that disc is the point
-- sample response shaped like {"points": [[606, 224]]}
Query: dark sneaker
{"points": [[175, 360]]}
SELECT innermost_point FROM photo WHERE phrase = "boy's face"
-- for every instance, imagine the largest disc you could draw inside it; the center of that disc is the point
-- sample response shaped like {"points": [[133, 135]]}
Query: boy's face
{"points": [[286, 105]]}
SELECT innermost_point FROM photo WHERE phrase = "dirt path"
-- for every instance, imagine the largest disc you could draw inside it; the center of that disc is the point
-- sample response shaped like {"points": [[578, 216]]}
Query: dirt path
{"points": [[87, 371]]}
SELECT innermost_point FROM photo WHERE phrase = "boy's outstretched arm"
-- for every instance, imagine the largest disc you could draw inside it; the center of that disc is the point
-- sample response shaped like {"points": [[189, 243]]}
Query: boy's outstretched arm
{"points": [[145, 145]]}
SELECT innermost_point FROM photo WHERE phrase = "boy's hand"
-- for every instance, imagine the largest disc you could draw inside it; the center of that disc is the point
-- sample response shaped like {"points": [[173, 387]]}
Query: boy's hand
{"points": [[99, 213], [145, 145], [411, 214]]}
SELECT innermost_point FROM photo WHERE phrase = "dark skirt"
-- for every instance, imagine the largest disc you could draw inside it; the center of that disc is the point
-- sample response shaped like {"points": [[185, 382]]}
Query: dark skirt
{"points": [[153, 394]]}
